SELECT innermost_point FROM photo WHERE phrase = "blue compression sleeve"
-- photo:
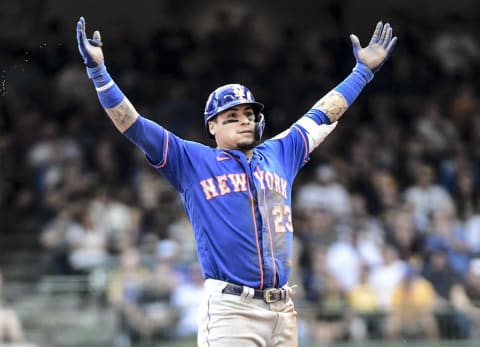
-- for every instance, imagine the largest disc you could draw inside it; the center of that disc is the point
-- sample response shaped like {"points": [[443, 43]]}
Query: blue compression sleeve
{"points": [[148, 136], [351, 86], [108, 92], [318, 116]]}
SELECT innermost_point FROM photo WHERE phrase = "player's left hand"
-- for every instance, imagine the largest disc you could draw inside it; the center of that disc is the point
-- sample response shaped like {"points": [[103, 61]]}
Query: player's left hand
{"points": [[379, 48], [90, 49]]}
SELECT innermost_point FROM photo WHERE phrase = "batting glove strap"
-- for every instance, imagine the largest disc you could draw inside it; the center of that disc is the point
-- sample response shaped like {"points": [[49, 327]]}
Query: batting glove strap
{"points": [[99, 75], [110, 95], [108, 91]]}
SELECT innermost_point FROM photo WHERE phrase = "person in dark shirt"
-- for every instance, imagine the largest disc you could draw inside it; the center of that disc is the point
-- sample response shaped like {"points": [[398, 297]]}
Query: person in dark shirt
{"points": [[453, 306]]}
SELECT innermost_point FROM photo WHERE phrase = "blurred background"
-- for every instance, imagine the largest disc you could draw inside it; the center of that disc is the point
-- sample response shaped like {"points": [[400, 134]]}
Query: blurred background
{"points": [[95, 248]]}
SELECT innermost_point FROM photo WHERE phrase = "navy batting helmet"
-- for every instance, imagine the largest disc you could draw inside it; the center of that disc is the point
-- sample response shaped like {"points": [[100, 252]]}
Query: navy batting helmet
{"points": [[231, 95]]}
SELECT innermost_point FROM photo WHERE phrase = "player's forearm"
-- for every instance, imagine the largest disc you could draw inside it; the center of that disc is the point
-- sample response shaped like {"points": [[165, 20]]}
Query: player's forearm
{"points": [[338, 100], [116, 105], [333, 105], [123, 115], [322, 119]]}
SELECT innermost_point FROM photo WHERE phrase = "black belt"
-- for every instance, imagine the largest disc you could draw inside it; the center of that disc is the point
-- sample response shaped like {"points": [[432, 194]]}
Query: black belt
{"points": [[269, 295]]}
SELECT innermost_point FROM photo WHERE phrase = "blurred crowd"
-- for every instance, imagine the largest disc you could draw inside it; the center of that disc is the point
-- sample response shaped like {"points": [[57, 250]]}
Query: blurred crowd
{"points": [[387, 211]]}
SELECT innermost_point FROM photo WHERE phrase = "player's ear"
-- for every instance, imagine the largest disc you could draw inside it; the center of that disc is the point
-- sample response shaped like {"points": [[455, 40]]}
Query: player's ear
{"points": [[211, 128]]}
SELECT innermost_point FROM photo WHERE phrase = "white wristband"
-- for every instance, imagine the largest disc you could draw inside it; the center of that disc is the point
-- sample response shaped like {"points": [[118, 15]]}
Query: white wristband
{"points": [[105, 87]]}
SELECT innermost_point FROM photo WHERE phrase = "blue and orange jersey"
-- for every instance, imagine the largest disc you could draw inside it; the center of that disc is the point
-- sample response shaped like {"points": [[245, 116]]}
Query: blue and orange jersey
{"points": [[240, 211]]}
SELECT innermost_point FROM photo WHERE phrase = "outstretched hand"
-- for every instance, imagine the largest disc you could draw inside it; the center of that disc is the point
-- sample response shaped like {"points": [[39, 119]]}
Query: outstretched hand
{"points": [[379, 48], [90, 49]]}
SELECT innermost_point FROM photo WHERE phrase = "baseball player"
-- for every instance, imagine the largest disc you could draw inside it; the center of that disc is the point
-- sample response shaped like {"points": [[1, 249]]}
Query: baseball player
{"points": [[238, 195]]}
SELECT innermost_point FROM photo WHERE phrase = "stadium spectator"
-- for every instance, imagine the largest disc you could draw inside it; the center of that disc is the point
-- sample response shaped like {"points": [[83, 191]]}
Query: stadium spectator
{"points": [[385, 277], [403, 235], [332, 318], [88, 244], [413, 308], [472, 289], [472, 232], [447, 231], [125, 286], [452, 304], [425, 196], [185, 299], [324, 192], [366, 309], [11, 329]]}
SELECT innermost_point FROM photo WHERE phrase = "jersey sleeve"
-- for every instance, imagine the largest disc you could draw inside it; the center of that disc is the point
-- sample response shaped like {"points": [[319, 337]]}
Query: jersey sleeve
{"points": [[166, 152], [291, 147]]}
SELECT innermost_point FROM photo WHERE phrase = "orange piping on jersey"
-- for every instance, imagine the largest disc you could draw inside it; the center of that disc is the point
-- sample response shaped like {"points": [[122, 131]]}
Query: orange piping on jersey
{"points": [[270, 236], [259, 253], [304, 141], [165, 153]]}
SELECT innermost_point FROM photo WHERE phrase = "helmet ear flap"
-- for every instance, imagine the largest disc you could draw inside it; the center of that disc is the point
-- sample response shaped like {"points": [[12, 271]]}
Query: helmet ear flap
{"points": [[259, 126]]}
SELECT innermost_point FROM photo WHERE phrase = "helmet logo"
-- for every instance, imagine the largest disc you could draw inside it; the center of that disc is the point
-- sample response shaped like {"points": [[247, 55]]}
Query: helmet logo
{"points": [[238, 92]]}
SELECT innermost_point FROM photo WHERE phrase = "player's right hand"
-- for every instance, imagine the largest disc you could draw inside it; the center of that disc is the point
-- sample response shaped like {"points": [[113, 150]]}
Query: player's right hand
{"points": [[90, 49], [378, 49]]}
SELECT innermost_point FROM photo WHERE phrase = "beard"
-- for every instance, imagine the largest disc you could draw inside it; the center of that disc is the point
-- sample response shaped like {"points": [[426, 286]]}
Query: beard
{"points": [[247, 145]]}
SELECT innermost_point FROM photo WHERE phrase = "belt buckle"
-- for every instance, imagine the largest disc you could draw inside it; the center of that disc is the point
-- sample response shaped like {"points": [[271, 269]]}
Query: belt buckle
{"points": [[268, 295]]}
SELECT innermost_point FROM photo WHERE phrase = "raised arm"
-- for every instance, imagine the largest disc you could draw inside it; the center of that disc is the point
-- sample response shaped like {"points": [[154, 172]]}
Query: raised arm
{"points": [[321, 119], [149, 136], [117, 106]]}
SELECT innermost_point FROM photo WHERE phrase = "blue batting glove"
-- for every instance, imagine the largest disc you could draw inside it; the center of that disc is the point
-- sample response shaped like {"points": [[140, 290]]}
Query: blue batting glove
{"points": [[379, 48], [90, 49]]}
